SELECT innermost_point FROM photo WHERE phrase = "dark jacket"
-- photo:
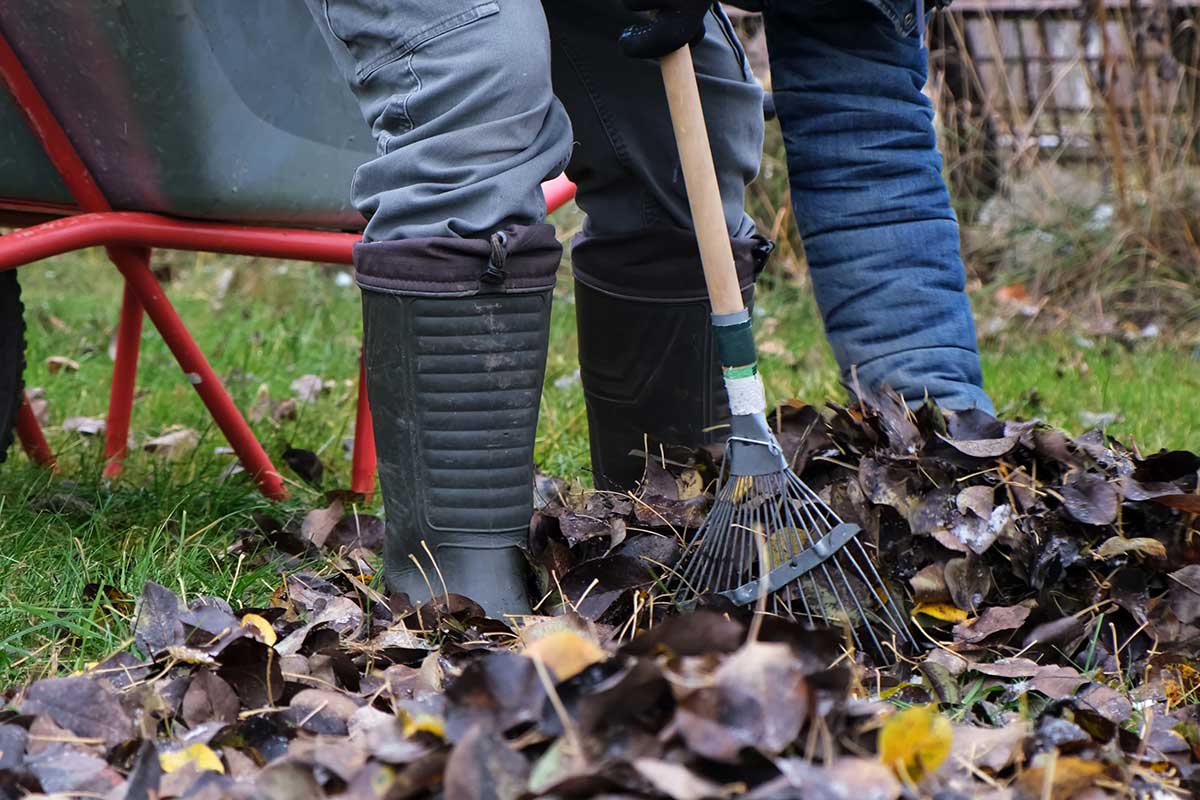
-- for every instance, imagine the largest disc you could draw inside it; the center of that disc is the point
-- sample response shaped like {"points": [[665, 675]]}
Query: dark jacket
{"points": [[903, 13]]}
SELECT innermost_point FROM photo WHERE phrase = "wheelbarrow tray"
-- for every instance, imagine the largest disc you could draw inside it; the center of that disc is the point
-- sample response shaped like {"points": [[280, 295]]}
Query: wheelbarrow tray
{"points": [[211, 109]]}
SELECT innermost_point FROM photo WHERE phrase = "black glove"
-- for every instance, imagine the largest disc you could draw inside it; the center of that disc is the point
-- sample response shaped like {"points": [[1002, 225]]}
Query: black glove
{"points": [[674, 24]]}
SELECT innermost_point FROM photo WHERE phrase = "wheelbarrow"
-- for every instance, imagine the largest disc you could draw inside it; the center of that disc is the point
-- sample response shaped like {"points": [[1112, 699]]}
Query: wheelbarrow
{"points": [[172, 124]]}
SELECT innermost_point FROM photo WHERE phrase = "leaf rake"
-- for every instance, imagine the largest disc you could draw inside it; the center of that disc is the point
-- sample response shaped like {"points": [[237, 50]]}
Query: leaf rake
{"points": [[769, 538]]}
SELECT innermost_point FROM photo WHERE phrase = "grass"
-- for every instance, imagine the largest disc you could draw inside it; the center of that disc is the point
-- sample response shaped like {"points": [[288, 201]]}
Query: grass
{"points": [[264, 324]]}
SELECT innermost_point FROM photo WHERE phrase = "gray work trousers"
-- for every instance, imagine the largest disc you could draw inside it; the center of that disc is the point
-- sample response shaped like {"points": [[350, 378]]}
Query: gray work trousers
{"points": [[473, 104]]}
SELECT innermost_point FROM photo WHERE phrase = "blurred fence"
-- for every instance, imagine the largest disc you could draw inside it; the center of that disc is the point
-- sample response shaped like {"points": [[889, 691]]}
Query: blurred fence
{"points": [[1113, 81]]}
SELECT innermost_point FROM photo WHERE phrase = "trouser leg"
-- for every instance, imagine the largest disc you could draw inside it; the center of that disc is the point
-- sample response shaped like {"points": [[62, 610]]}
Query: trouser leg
{"points": [[457, 276], [459, 99], [646, 355], [870, 201]]}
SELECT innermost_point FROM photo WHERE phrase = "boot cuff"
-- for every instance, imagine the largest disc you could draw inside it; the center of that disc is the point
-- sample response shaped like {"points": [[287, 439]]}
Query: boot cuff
{"points": [[658, 264], [518, 259]]}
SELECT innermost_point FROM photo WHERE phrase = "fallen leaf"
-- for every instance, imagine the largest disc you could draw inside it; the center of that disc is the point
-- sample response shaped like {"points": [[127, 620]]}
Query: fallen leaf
{"points": [[675, 780], [1119, 545], [320, 522], [1068, 775], [993, 620], [86, 426], [1091, 499], [265, 631], [306, 464], [199, 756], [940, 611], [56, 364], [1184, 595], [914, 742], [308, 388], [83, 705], [172, 444], [566, 653]]}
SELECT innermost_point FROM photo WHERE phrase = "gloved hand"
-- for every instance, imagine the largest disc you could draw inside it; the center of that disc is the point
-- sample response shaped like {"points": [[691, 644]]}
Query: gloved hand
{"points": [[674, 24]]}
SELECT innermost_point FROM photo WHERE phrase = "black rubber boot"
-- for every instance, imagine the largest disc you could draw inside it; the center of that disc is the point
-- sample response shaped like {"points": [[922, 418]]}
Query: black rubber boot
{"points": [[456, 332], [646, 353]]}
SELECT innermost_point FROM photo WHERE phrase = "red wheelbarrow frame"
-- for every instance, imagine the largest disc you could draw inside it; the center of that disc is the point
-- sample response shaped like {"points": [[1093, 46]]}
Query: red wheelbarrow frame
{"points": [[130, 238]]}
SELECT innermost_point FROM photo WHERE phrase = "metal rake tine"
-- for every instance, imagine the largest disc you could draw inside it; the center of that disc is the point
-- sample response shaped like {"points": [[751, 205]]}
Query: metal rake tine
{"points": [[842, 606], [888, 604], [866, 622]]}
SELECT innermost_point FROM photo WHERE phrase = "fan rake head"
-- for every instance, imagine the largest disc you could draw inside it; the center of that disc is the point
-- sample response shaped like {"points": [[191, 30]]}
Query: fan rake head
{"points": [[770, 539]]}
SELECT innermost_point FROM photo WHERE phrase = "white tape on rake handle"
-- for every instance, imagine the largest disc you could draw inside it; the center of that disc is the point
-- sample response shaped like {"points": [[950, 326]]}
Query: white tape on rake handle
{"points": [[746, 393]]}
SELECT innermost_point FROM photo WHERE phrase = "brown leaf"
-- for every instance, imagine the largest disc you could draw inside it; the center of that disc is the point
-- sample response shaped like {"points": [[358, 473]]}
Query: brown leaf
{"points": [[969, 581], [1068, 775], [675, 780], [1107, 702], [483, 766], [993, 620], [322, 711], [848, 778], [82, 705], [56, 364], [173, 444], [929, 585], [1184, 595], [308, 388], [758, 698], [1057, 682], [983, 448], [1008, 668], [991, 749], [157, 625], [1091, 499], [209, 699], [86, 426], [320, 522], [306, 464]]}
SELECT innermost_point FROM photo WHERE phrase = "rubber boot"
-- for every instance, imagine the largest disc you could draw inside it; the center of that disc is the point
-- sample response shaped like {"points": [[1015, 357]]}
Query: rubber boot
{"points": [[647, 358], [456, 332]]}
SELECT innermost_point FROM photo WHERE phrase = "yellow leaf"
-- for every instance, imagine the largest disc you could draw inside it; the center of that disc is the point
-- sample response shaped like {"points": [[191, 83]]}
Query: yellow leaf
{"points": [[1060, 778], [422, 723], [566, 653], [690, 484], [943, 611], [1144, 546], [915, 742], [200, 756], [264, 628]]}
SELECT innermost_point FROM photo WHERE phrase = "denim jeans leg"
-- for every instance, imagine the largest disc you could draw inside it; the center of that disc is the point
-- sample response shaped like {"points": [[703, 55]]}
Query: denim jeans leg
{"points": [[871, 203]]}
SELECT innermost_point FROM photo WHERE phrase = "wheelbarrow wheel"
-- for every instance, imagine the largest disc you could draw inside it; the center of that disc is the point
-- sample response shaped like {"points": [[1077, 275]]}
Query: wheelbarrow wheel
{"points": [[12, 356]]}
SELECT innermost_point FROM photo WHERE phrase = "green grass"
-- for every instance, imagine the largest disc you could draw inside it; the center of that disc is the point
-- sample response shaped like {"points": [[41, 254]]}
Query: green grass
{"points": [[173, 521]]}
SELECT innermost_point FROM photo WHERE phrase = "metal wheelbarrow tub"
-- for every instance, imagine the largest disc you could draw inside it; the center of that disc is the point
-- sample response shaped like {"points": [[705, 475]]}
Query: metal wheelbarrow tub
{"points": [[213, 109]]}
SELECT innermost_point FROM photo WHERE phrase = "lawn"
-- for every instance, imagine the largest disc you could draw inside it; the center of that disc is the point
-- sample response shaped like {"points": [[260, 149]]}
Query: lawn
{"points": [[264, 324]]}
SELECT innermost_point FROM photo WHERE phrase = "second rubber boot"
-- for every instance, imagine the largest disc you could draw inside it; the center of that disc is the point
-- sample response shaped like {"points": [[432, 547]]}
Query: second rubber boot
{"points": [[455, 339], [647, 358]]}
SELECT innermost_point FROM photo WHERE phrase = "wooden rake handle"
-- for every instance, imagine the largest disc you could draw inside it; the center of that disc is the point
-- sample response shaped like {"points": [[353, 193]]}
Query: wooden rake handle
{"points": [[700, 177]]}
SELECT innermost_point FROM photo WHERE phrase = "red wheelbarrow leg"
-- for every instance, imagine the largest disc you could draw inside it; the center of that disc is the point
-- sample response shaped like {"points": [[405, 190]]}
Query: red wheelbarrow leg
{"points": [[33, 441], [194, 365], [124, 379], [362, 478]]}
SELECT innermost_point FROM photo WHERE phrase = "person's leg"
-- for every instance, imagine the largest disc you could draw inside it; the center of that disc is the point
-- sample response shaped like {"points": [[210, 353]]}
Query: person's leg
{"points": [[459, 99], [870, 201], [457, 270], [646, 356]]}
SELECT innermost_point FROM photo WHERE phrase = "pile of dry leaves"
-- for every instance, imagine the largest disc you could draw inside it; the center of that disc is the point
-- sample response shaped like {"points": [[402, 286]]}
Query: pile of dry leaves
{"points": [[1054, 584]]}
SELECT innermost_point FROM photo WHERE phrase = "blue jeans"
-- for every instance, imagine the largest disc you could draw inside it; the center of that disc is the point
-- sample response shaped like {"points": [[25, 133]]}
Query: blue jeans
{"points": [[870, 201]]}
